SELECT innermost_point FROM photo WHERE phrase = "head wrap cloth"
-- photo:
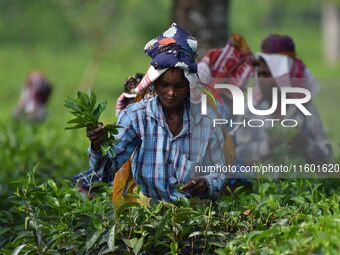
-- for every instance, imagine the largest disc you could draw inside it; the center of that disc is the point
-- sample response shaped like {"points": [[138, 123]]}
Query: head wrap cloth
{"points": [[278, 51], [233, 62], [173, 48], [279, 44], [123, 99]]}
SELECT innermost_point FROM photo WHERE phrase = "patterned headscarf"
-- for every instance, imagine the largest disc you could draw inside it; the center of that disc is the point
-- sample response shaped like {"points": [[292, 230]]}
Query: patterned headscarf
{"points": [[278, 51], [38, 87], [234, 62], [173, 48]]}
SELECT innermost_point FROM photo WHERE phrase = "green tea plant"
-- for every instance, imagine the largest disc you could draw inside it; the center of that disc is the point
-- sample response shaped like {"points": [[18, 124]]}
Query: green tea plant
{"points": [[87, 113], [284, 217]]}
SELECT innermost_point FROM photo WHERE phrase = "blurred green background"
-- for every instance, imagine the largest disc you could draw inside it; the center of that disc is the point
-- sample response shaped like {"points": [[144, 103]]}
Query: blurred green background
{"points": [[80, 44]]}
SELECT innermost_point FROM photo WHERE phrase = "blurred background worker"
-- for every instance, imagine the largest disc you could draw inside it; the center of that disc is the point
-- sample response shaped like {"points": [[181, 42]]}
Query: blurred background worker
{"points": [[232, 64], [278, 67], [34, 97], [129, 96]]}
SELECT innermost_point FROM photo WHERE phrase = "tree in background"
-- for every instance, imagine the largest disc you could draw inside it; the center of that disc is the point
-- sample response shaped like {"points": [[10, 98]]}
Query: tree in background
{"points": [[331, 30], [207, 20]]}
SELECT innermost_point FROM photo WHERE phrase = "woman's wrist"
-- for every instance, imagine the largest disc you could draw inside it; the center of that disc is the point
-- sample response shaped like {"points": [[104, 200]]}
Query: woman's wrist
{"points": [[95, 148]]}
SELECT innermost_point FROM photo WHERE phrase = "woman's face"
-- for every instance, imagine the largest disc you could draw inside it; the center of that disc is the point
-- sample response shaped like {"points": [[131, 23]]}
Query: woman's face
{"points": [[172, 88], [266, 80]]}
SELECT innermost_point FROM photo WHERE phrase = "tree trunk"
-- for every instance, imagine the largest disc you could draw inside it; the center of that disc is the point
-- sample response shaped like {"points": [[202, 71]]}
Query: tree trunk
{"points": [[331, 32], [204, 19]]}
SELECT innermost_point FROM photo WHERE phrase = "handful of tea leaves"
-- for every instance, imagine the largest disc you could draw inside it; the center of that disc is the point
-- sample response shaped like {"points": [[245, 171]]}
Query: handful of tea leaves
{"points": [[87, 112]]}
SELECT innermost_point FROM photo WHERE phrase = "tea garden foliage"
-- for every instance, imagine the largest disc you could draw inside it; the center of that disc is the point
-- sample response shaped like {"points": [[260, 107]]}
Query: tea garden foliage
{"points": [[296, 217]]}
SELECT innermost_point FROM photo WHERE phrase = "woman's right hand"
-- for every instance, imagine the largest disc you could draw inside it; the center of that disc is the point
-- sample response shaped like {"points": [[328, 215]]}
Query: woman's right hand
{"points": [[96, 134]]}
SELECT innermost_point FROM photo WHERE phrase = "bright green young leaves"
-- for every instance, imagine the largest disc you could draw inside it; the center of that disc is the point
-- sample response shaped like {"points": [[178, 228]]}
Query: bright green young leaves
{"points": [[87, 113]]}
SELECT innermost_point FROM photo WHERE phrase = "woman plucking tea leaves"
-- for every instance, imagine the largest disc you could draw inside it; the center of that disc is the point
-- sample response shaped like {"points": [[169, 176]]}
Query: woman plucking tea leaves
{"points": [[164, 136], [87, 113]]}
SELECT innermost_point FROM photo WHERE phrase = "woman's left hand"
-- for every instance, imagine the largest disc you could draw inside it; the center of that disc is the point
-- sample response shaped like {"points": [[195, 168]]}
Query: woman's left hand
{"points": [[196, 186]]}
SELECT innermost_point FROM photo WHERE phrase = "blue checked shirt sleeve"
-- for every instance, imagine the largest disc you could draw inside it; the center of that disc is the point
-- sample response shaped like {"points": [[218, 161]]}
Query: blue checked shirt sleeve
{"points": [[126, 142], [93, 157], [85, 179]]}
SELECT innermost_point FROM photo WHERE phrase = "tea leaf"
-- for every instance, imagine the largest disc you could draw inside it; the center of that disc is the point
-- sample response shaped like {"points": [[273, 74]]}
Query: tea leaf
{"points": [[92, 240], [18, 249], [111, 239], [98, 111]]}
